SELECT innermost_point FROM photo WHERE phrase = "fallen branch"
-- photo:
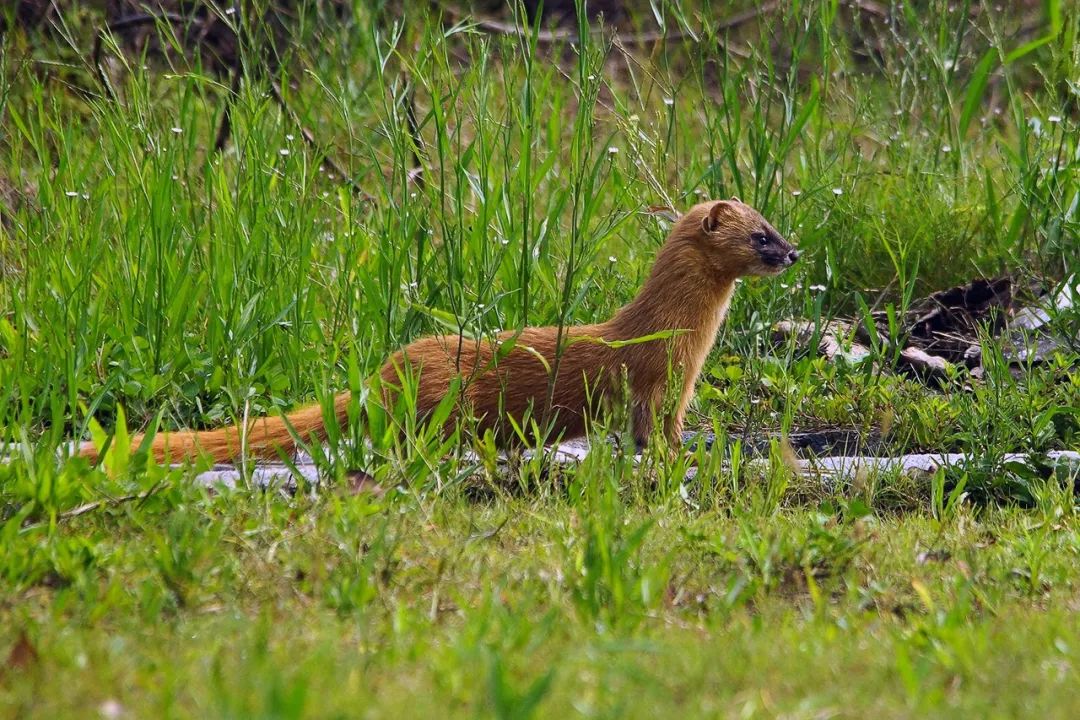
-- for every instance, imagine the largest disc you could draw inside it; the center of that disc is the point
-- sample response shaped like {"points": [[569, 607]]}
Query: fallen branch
{"points": [[833, 339], [264, 475], [924, 364], [96, 505], [830, 468], [551, 37], [833, 468], [850, 468]]}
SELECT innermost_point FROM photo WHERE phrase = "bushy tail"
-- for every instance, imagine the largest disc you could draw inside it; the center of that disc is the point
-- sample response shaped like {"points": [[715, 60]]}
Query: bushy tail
{"points": [[266, 437]]}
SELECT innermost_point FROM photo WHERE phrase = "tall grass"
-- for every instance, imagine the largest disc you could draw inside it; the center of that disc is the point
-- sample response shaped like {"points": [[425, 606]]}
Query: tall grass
{"points": [[148, 272], [147, 279]]}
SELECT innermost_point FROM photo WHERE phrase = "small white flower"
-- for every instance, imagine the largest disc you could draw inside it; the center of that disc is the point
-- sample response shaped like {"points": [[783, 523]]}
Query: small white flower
{"points": [[837, 191], [1054, 119], [946, 148], [178, 130], [796, 193], [613, 150], [669, 101], [72, 193], [283, 152], [816, 288], [85, 196], [289, 137], [612, 259], [230, 11], [111, 709]]}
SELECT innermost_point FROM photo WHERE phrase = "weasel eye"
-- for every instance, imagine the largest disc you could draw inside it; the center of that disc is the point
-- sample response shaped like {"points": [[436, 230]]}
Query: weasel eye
{"points": [[760, 238]]}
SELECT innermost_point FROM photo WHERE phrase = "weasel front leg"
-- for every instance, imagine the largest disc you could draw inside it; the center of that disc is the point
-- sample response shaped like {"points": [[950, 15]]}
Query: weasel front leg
{"points": [[643, 416], [644, 421], [641, 425], [673, 429]]}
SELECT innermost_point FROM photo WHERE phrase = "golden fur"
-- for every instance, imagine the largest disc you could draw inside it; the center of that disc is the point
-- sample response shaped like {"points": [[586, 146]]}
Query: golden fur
{"points": [[688, 291]]}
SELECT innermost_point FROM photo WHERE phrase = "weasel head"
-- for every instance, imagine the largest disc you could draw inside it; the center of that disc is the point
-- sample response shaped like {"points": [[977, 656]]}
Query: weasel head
{"points": [[736, 240]]}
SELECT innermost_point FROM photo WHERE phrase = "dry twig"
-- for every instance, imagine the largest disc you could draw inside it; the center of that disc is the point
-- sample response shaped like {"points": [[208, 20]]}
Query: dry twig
{"points": [[550, 37]]}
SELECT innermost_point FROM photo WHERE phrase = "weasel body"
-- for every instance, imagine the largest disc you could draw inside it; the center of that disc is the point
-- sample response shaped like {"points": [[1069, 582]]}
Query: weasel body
{"points": [[686, 294]]}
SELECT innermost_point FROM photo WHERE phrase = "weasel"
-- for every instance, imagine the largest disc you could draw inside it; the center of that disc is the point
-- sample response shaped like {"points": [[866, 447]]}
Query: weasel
{"points": [[684, 299]]}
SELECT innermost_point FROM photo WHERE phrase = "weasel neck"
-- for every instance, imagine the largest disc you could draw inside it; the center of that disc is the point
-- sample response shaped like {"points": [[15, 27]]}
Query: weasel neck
{"points": [[682, 293]]}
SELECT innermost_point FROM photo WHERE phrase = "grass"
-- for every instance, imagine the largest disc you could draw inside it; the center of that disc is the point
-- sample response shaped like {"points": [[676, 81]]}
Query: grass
{"points": [[146, 279]]}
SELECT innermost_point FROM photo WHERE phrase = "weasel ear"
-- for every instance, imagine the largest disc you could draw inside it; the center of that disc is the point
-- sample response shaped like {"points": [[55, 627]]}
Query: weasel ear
{"points": [[715, 218], [736, 198]]}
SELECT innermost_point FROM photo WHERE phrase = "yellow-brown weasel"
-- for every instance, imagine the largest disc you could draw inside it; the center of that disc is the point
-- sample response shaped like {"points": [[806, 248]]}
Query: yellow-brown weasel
{"points": [[685, 298]]}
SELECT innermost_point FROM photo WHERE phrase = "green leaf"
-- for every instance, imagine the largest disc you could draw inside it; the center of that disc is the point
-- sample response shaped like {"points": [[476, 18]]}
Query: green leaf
{"points": [[1027, 48], [1053, 11], [662, 335], [444, 318], [976, 88], [801, 119], [116, 460]]}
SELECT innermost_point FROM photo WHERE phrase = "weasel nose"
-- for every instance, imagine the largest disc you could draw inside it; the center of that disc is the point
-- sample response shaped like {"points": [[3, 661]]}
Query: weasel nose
{"points": [[793, 255]]}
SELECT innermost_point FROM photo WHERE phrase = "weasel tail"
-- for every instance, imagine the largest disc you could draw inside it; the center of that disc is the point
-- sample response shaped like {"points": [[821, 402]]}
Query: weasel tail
{"points": [[265, 437], [560, 376]]}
